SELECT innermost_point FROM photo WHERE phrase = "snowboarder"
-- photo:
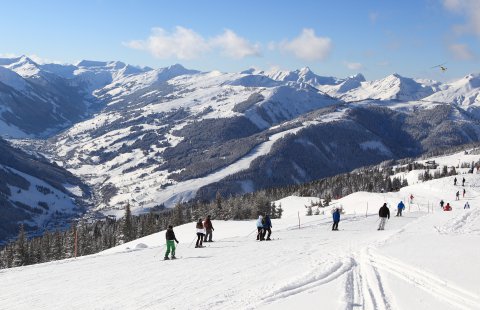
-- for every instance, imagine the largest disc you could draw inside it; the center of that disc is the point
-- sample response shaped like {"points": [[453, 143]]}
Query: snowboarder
{"points": [[200, 234], [336, 219], [208, 229], [464, 193], [447, 207], [170, 236], [260, 228], [467, 205], [463, 182], [455, 181], [400, 208], [267, 225], [441, 203], [457, 195], [383, 213], [411, 198]]}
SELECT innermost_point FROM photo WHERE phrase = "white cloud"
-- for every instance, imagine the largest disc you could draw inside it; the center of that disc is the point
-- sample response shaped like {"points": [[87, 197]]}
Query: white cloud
{"points": [[471, 10], [460, 51], [353, 65], [307, 46], [234, 46], [183, 43]]}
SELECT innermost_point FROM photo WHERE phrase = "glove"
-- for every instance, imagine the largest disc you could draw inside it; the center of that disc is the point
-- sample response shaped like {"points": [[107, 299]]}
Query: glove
{"points": [[213, 228], [176, 241]]}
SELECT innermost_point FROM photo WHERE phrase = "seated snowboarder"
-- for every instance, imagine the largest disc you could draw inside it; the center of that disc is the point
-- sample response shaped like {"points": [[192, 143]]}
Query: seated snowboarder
{"points": [[467, 205], [170, 236], [447, 207]]}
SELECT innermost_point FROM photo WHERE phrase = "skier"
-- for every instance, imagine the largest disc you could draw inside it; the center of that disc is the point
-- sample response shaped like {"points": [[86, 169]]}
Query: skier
{"points": [[464, 193], [455, 181], [336, 219], [447, 207], [208, 229], [170, 236], [467, 205], [463, 182], [411, 198], [200, 234], [441, 203], [383, 213], [400, 208], [267, 225], [457, 195], [260, 228]]}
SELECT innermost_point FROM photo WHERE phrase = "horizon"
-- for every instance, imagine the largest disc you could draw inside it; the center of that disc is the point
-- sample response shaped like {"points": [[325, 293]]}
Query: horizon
{"points": [[375, 38]]}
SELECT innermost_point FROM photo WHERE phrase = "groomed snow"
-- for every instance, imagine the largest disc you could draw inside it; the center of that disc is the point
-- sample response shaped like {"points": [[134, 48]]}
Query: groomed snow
{"points": [[427, 259]]}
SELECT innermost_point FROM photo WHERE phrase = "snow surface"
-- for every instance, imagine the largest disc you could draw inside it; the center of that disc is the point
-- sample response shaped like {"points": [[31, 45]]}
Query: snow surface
{"points": [[427, 259]]}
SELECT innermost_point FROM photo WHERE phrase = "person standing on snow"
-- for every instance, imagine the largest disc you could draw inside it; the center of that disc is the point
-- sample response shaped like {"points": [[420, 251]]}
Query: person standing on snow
{"points": [[336, 219], [383, 213], [457, 195], [463, 182], [400, 208], [441, 203], [464, 193], [208, 229], [411, 198], [467, 205], [170, 236], [455, 181], [267, 225], [260, 228], [200, 234]]}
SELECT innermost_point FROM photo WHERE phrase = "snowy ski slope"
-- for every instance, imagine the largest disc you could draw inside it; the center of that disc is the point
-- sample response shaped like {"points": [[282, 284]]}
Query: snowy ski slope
{"points": [[427, 259]]}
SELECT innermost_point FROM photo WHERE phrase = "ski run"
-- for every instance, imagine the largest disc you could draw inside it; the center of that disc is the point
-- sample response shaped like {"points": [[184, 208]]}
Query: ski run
{"points": [[426, 259]]}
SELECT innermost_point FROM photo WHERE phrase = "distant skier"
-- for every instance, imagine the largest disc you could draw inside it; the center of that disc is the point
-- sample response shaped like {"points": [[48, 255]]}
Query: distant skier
{"points": [[457, 195], [260, 228], [400, 208], [455, 181], [447, 207], [467, 205], [200, 234], [208, 229], [170, 236], [463, 182], [336, 219], [411, 198], [441, 203], [383, 213], [267, 225], [464, 193]]}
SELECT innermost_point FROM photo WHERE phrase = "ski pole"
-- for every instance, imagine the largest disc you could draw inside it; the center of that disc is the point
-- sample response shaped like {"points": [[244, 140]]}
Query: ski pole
{"points": [[192, 242]]}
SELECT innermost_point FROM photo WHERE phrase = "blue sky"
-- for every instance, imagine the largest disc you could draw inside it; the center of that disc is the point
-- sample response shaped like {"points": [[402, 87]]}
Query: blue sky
{"points": [[337, 38]]}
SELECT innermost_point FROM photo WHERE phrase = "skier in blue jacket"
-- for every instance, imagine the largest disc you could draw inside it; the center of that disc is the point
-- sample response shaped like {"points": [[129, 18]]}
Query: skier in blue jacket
{"points": [[267, 225], [400, 208], [336, 219]]}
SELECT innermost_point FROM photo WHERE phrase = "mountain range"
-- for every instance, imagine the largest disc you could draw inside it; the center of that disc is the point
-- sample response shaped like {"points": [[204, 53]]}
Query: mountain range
{"points": [[154, 137]]}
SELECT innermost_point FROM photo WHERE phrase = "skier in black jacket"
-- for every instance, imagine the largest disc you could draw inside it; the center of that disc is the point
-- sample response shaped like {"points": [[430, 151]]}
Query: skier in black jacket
{"points": [[383, 213], [170, 236]]}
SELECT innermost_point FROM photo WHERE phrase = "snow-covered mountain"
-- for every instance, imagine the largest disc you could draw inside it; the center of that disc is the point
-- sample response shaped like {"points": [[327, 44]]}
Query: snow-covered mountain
{"points": [[36, 193], [172, 134], [426, 259]]}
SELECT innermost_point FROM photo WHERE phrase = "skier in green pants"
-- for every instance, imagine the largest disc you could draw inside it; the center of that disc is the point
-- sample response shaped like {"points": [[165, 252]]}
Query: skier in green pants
{"points": [[170, 236]]}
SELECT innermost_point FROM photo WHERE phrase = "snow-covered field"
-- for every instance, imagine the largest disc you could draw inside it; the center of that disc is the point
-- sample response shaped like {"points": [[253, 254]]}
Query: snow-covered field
{"points": [[427, 259]]}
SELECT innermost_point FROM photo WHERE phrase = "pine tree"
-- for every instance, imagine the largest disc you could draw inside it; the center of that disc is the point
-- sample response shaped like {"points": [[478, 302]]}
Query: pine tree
{"points": [[128, 234], [21, 248]]}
